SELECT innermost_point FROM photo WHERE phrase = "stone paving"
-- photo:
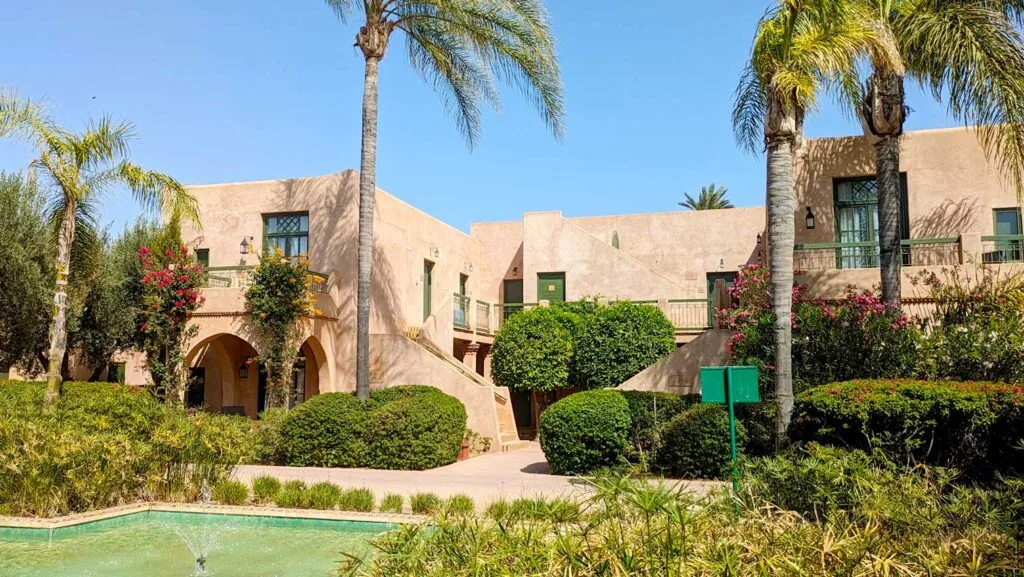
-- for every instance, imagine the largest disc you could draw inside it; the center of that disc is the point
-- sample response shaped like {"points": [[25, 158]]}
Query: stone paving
{"points": [[486, 478]]}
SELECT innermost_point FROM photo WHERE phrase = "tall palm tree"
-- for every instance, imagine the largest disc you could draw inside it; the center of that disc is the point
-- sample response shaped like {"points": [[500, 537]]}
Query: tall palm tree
{"points": [[711, 197], [75, 170], [970, 54], [460, 46], [801, 48]]}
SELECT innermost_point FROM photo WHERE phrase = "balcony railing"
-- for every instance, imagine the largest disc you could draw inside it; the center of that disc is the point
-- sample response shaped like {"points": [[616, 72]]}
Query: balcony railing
{"points": [[855, 255], [460, 311], [238, 277], [483, 317], [690, 314], [1002, 248]]}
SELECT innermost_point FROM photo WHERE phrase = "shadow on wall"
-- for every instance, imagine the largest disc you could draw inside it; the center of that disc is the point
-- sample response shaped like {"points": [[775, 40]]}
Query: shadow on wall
{"points": [[820, 162], [949, 219]]}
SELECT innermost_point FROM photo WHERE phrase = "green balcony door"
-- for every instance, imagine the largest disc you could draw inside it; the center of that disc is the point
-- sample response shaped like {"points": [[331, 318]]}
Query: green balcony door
{"points": [[512, 292], [551, 287], [428, 287]]}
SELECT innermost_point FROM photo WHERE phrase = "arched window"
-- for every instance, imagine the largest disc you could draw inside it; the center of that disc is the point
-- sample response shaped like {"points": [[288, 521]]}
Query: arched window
{"points": [[615, 238]]}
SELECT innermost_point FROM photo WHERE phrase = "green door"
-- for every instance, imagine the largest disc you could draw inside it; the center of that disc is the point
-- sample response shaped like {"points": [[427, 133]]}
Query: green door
{"points": [[551, 287], [428, 287], [713, 278]]}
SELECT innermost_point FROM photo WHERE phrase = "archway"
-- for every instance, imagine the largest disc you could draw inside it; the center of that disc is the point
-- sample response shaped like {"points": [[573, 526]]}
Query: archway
{"points": [[225, 365], [310, 370]]}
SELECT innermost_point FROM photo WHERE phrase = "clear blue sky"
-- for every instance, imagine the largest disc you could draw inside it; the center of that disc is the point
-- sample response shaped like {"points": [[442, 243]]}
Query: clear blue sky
{"points": [[233, 90]]}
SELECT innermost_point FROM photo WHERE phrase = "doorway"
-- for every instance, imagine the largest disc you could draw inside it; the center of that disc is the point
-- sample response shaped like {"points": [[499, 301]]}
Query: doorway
{"points": [[195, 398], [551, 287], [428, 288]]}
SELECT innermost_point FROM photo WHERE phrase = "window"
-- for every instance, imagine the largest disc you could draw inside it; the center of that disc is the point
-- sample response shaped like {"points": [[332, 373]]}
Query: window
{"points": [[203, 257], [463, 279], [857, 220], [1006, 224], [115, 373], [288, 232]]}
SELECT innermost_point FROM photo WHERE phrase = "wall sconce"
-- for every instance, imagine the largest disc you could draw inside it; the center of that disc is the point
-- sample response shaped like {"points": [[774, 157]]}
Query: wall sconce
{"points": [[469, 266], [760, 238], [435, 252], [243, 371], [515, 271], [721, 263], [809, 219], [246, 246]]}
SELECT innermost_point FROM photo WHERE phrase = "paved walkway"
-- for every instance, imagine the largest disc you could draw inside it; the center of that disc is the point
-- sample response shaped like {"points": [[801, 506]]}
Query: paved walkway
{"points": [[487, 478]]}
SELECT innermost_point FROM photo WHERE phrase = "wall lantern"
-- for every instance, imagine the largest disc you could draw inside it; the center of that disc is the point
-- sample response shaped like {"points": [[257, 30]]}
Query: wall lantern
{"points": [[809, 219], [246, 246], [760, 238], [243, 371], [469, 267], [436, 253]]}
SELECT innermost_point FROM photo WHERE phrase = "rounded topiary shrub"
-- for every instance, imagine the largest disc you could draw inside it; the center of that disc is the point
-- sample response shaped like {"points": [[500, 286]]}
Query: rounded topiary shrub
{"points": [[585, 432], [533, 349], [416, 432], [328, 430], [620, 340], [696, 444], [384, 396]]}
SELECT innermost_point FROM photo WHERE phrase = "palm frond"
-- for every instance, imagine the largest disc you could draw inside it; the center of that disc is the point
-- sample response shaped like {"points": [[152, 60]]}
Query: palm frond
{"points": [[342, 8], [102, 142], [158, 191], [748, 112]]}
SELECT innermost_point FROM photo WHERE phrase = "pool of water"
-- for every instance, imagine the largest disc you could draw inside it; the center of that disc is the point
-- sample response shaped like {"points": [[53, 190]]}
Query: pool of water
{"points": [[163, 544]]}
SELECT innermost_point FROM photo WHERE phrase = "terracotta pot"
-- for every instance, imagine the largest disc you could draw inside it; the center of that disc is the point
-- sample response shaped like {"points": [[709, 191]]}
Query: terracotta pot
{"points": [[464, 453]]}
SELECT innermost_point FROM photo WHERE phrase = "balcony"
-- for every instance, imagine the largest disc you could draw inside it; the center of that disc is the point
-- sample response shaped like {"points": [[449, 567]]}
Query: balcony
{"points": [[1002, 249], [238, 277], [863, 255]]}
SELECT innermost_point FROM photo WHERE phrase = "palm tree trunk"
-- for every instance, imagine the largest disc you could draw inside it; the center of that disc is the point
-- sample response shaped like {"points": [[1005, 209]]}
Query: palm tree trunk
{"points": [[367, 198], [781, 238], [884, 112], [890, 256], [58, 326]]}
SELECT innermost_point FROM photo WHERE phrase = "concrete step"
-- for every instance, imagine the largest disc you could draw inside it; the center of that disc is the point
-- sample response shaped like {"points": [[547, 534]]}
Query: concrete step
{"points": [[514, 446]]}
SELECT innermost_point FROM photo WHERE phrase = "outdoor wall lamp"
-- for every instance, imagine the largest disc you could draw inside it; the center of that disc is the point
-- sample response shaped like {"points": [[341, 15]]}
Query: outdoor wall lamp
{"points": [[436, 253], [246, 246], [243, 371], [809, 219], [759, 238]]}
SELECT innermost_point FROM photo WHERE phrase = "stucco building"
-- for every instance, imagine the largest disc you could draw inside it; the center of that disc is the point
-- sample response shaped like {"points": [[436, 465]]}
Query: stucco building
{"points": [[439, 295]]}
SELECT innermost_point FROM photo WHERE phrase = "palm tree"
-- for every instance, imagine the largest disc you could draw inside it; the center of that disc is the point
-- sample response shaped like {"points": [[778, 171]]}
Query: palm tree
{"points": [[75, 170], [970, 54], [801, 47], [710, 198], [459, 46]]}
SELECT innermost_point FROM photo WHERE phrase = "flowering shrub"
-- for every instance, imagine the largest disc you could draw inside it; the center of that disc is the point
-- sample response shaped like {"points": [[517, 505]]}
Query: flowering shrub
{"points": [[977, 330], [278, 295], [857, 337], [170, 285]]}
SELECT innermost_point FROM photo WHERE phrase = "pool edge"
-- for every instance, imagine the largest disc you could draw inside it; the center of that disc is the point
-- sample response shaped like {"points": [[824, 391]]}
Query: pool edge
{"points": [[244, 510]]}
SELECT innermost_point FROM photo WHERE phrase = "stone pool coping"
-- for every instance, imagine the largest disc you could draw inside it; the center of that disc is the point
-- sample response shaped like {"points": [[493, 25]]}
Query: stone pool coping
{"points": [[244, 510]]}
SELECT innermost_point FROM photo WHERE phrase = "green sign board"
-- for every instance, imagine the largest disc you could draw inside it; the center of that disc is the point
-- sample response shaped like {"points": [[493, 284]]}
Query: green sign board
{"points": [[742, 382], [730, 385]]}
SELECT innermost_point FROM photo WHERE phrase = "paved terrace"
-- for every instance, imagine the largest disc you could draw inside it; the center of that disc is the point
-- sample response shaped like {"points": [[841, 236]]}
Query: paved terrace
{"points": [[487, 478]]}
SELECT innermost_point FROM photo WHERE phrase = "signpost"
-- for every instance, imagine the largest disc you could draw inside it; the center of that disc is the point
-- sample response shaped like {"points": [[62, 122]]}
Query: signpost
{"points": [[730, 385]]}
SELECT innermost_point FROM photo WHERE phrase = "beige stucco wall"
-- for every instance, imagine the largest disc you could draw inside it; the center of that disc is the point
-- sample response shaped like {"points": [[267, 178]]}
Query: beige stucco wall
{"points": [[951, 191], [679, 372]]}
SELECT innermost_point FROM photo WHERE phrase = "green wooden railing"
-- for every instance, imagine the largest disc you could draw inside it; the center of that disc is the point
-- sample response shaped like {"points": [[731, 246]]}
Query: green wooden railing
{"points": [[1002, 248], [854, 255], [691, 314], [238, 277]]}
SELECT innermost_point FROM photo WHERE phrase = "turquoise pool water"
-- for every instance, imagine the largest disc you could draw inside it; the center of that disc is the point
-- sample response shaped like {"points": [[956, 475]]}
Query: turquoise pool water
{"points": [[161, 544]]}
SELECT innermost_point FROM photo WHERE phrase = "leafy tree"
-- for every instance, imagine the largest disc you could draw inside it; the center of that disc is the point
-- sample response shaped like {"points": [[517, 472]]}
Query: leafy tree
{"points": [[618, 341], [278, 296], [534, 348], [970, 54], [23, 281], [459, 46], [75, 170], [711, 197], [800, 47]]}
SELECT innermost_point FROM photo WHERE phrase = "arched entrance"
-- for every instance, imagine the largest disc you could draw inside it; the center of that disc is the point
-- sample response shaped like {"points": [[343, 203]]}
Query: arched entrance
{"points": [[310, 366], [225, 376]]}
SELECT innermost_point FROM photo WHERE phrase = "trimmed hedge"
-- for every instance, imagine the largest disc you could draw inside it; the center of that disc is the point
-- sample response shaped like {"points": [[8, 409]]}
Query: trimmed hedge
{"points": [[411, 427], [650, 413], [534, 348], [619, 341], [328, 430], [585, 432], [970, 426], [418, 431], [697, 443]]}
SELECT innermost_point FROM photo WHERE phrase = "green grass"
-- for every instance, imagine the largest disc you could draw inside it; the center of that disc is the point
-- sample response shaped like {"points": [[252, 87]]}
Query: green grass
{"points": [[460, 505], [230, 493], [265, 489], [425, 503], [392, 503], [323, 495], [292, 496], [357, 500]]}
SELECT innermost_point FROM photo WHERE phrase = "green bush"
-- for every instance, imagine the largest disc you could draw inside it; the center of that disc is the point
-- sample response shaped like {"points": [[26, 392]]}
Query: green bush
{"points": [[323, 495], [460, 505], [620, 340], [697, 444], [328, 430], [105, 444], [357, 500], [649, 414], [268, 435], [265, 489], [392, 503], [230, 493], [416, 432], [968, 426], [533, 350], [425, 503], [585, 432], [292, 496]]}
